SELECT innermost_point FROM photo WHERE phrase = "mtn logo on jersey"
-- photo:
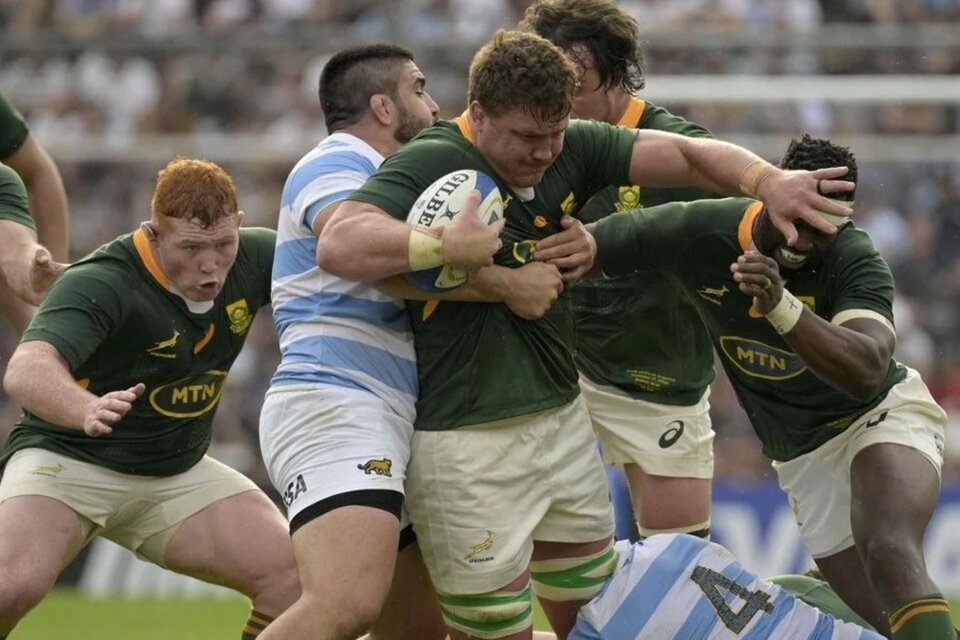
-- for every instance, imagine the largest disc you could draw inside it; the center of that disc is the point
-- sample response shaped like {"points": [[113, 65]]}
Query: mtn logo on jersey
{"points": [[628, 198], [713, 294], [380, 467], [163, 347], [480, 547], [189, 397], [523, 251], [759, 360], [238, 313]]}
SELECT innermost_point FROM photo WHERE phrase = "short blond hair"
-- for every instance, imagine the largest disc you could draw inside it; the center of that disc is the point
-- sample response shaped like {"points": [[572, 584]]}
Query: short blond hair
{"points": [[521, 70], [193, 188]]}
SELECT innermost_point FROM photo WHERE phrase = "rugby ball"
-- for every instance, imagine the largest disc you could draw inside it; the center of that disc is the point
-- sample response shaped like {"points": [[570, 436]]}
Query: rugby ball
{"points": [[437, 206]]}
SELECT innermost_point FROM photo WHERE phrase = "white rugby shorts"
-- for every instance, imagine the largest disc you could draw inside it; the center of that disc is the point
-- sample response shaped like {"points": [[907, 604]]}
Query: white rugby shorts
{"points": [[319, 441]]}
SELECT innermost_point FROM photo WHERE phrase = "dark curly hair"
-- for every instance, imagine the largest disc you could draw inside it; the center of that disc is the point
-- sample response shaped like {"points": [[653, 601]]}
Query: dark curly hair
{"points": [[609, 33], [816, 153]]}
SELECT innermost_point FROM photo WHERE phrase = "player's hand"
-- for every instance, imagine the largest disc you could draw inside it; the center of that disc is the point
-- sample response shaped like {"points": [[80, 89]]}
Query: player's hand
{"points": [[42, 274], [759, 276], [571, 250], [532, 289], [798, 195], [468, 243], [108, 409]]}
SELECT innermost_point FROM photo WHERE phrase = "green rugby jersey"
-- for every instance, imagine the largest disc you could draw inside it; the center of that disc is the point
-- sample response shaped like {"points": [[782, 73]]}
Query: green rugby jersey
{"points": [[640, 333], [480, 362], [790, 408], [14, 204], [115, 321], [13, 128]]}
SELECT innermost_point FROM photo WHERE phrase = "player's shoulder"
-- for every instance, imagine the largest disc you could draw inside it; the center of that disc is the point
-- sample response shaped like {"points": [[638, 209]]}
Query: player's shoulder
{"points": [[661, 119], [11, 182], [852, 243], [336, 153]]}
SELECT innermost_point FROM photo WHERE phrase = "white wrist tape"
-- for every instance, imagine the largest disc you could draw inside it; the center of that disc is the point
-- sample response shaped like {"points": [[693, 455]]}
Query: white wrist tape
{"points": [[786, 314]]}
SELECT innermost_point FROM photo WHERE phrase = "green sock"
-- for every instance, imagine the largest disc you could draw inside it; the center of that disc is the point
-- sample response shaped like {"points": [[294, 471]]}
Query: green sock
{"points": [[926, 618], [256, 623]]}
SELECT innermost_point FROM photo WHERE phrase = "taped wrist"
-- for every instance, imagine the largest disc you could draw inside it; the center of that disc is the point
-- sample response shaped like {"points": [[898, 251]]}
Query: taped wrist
{"points": [[752, 175], [786, 314], [425, 249]]}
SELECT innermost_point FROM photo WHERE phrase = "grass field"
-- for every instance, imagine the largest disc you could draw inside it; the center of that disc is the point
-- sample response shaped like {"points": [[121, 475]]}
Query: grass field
{"points": [[65, 615]]}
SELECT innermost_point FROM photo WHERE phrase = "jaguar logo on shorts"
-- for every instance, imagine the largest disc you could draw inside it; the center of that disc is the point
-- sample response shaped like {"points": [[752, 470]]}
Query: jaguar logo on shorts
{"points": [[480, 547], [47, 470], [380, 467], [795, 507]]}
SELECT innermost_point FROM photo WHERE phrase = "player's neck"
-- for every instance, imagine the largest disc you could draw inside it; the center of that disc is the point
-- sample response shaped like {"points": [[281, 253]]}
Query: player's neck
{"points": [[382, 140]]}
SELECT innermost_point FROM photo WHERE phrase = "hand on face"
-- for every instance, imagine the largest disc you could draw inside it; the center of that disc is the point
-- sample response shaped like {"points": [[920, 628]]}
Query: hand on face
{"points": [[801, 195], [759, 276]]}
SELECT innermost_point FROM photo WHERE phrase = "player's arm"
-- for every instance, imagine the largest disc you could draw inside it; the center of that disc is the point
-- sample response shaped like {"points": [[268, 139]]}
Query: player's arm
{"points": [[529, 291], [665, 159], [360, 241], [27, 268], [39, 379], [48, 199], [851, 353]]}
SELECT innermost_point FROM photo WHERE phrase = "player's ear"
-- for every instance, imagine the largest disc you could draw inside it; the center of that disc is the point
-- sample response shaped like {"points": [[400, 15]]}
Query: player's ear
{"points": [[240, 215], [150, 230], [382, 108]]}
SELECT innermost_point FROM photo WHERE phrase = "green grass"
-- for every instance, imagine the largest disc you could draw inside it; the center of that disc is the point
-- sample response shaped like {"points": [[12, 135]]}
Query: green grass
{"points": [[65, 615]]}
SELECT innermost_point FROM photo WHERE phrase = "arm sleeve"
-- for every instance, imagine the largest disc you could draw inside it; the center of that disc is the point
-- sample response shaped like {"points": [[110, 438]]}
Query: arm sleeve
{"points": [[80, 311], [860, 278], [403, 176], [325, 180], [13, 128], [14, 203], [650, 239], [602, 150], [258, 245]]}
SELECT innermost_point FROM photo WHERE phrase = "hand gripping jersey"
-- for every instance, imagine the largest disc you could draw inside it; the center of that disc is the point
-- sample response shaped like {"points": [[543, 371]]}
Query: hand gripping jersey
{"points": [[463, 349], [680, 587]]}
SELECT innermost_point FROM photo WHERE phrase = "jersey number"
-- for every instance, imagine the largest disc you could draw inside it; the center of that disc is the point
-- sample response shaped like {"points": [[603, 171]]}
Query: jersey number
{"points": [[714, 585]]}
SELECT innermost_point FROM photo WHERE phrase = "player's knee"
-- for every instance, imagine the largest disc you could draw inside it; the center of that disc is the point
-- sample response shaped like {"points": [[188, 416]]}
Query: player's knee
{"points": [[19, 594], [492, 615], [274, 588], [566, 579], [891, 555]]}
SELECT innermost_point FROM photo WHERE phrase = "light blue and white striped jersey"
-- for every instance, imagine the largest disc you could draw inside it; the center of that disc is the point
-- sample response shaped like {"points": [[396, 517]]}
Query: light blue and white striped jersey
{"points": [[679, 587], [335, 331]]}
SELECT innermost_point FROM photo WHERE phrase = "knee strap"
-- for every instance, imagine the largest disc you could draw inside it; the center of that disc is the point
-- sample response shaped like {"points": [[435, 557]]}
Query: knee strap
{"points": [[488, 615], [565, 579]]}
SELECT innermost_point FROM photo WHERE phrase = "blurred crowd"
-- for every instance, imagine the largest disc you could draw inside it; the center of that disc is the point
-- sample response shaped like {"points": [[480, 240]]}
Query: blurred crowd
{"points": [[95, 75]]}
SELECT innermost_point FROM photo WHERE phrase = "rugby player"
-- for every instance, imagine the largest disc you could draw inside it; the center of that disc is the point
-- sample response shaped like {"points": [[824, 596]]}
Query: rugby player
{"points": [[806, 335]]}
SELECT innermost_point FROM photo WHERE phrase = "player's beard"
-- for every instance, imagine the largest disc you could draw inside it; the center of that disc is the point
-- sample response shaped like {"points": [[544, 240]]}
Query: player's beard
{"points": [[408, 127]]}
